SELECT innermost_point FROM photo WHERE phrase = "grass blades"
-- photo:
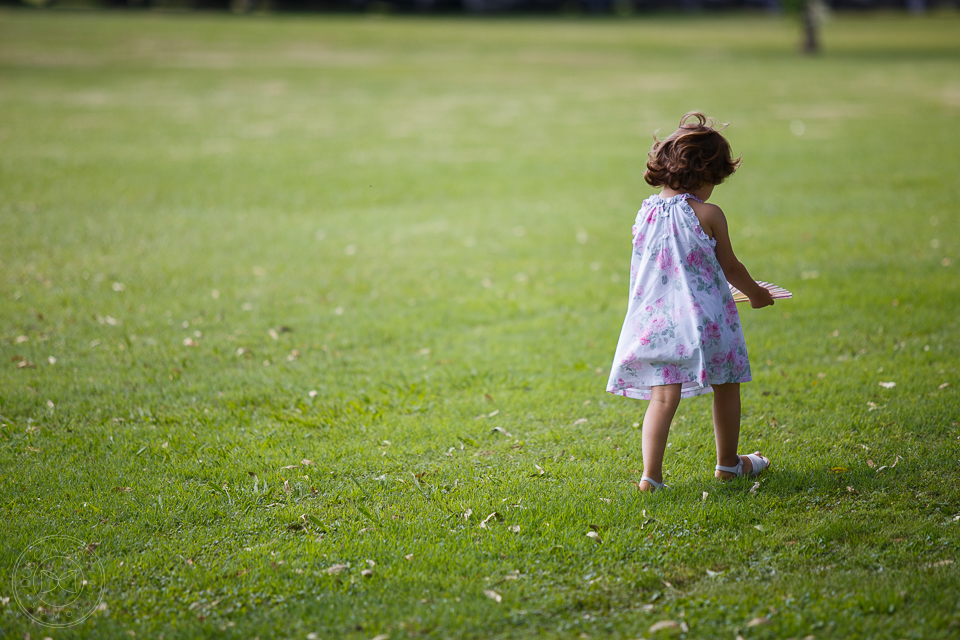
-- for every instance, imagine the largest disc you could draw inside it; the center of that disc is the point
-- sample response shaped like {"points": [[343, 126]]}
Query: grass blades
{"points": [[306, 320]]}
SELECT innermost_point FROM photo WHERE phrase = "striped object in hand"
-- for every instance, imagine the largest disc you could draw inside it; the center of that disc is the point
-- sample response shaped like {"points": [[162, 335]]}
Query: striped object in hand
{"points": [[778, 293]]}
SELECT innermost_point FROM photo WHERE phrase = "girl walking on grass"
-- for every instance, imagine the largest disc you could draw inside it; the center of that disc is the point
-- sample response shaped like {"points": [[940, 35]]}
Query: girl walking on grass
{"points": [[682, 336]]}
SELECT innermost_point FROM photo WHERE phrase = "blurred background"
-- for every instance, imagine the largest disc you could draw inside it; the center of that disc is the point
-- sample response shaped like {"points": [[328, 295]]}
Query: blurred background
{"points": [[616, 7]]}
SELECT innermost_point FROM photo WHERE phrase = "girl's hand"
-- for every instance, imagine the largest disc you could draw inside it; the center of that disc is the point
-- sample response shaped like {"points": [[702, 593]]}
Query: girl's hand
{"points": [[761, 298]]}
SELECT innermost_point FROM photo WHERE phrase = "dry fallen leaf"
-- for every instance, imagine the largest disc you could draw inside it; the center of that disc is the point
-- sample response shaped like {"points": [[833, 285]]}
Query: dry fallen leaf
{"points": [[467, 514], [539, 472], [366, 573], [753, 489], [494, 515], [944, 385], [493, 595], [581, 421], [705, 494], [663, 624], [306, 462], [871, 464], [851, 489], [408, 557], [756, 622], [515, 528], [593, 535], [335, 569], [887, 385]]}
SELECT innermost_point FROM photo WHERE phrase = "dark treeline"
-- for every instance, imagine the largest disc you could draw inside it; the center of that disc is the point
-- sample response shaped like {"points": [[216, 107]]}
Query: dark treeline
{"points": [[622, 7]]}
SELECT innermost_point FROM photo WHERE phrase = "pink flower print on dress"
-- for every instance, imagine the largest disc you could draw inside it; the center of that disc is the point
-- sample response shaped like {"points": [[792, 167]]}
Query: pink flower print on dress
{"points": [[711, 331], [665, 260], [671, 374], [703, 376], [639, 239], [730, 311], [659, 303], [739, 364], [699, 261], [644, 335], [698, 230], [683, 351], [659, 323]]}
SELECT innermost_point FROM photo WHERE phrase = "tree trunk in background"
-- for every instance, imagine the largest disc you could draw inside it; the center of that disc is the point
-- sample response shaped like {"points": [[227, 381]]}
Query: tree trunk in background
{"points": [[811, 39]]}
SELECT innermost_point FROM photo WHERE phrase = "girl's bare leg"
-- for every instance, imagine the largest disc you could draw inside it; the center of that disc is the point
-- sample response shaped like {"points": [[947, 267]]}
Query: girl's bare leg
{"points": [[726, 428], [664, 401]]}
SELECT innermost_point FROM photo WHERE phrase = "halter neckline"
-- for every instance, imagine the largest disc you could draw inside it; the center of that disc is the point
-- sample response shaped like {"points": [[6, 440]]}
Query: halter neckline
{"points": [[684, 196]]}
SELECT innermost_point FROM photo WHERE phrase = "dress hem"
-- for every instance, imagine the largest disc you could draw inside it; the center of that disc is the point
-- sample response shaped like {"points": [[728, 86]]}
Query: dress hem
{"points": [[643, 393]]}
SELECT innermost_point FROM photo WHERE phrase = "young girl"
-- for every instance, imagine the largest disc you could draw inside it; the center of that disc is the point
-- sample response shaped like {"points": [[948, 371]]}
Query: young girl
{"points": [[682, 336]]}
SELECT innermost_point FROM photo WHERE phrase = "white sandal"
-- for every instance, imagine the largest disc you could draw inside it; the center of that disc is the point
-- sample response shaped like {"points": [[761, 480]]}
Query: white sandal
{"points": [[653, 483], [759, 464]]}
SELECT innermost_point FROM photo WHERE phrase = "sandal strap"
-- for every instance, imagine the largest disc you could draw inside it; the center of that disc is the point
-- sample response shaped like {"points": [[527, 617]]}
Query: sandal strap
{"points": [[737, 470], [656, 485], [759, 463]]}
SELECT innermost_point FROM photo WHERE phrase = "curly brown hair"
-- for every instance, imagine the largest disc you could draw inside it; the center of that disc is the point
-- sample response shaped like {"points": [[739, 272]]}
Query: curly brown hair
{"points": [[694, 155]]}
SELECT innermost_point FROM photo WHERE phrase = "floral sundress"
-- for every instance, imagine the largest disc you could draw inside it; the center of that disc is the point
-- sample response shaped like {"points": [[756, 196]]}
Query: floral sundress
{"points": [[682, 324]]}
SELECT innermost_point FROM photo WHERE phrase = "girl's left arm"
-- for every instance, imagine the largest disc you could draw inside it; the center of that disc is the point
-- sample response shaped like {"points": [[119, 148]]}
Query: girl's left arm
{"points": [[733, 269]]}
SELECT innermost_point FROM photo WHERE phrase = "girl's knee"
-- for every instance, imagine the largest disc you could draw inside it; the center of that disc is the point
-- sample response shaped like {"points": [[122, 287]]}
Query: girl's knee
{"points": [[727, 389], [666, 394]]}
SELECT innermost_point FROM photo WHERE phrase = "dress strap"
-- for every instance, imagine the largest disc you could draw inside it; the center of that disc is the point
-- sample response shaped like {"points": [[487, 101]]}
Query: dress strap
{"points": [[690, 195]]}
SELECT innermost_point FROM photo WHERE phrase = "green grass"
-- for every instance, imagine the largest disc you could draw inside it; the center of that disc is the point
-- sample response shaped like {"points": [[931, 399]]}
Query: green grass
{"points": [[439, 211]]}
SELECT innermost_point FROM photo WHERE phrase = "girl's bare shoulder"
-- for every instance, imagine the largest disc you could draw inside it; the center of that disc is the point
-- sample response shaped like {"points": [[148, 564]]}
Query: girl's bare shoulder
{"points": [[710, 216]]}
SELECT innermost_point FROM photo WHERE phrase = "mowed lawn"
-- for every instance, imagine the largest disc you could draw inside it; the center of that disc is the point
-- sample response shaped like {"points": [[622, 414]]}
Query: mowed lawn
{"points": [[306, 322]]}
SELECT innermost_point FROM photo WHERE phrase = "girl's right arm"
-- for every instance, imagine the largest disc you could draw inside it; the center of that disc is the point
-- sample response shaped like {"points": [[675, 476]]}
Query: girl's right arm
{"points": [[714, 223]]}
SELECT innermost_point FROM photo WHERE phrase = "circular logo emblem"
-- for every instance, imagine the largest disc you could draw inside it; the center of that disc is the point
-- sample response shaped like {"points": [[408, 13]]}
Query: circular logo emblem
{"points": [[58, 581]]}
